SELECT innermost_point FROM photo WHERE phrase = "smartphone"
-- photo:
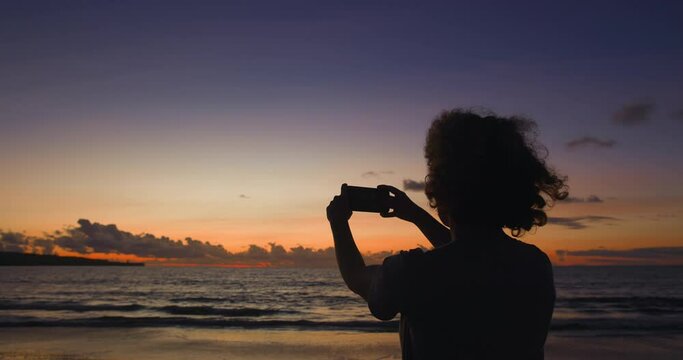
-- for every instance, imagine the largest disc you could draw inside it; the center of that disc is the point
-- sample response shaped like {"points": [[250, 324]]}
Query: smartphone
{"points": [[367, 199]]}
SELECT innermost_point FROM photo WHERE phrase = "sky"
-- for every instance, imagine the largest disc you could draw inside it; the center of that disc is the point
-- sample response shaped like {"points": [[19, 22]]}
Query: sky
{"points": [[235, 122]]}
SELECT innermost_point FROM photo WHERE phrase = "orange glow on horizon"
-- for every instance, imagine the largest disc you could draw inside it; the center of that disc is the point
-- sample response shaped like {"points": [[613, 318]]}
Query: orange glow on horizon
{"points": [[107, 256], [633, 224], [259, 265]]}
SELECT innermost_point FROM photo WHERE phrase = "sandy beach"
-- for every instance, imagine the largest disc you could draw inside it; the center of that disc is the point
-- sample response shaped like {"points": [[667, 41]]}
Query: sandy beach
{"points": [[181, 343]]}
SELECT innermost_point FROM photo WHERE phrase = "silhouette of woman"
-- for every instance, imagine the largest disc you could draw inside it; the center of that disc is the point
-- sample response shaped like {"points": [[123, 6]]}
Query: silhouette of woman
{"points": [[479, 294]]}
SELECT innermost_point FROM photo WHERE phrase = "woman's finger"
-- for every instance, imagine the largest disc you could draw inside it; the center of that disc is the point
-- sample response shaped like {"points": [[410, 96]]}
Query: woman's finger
{"points": [[390, 189], [387, 214], [389, 202], [342, 192]]}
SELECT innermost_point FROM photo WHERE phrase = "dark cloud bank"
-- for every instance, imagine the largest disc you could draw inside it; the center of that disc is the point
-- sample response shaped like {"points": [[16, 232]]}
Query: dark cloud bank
{"points": [[638, 255], [98, 238], [108, 239]]}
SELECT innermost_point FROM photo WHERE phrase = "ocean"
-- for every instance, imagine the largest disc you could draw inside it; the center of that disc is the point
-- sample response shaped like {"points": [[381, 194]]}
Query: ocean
{"points": [[590, 300]]}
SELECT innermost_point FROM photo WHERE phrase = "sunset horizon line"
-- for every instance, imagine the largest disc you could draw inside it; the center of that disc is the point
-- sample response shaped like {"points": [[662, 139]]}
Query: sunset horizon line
{"points": [[94, 240]]}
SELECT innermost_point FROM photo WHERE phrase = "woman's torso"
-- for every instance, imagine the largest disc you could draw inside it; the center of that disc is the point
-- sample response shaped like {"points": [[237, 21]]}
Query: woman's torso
{"points": [[489, 300]]}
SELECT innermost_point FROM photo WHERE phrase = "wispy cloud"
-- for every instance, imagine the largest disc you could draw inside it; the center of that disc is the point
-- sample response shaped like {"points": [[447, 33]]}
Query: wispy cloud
{"points": [[590, 199], [412, 185], [640, 254], [580, 222], [376, 174], [634, 114], [589, 141], [660, 216]]}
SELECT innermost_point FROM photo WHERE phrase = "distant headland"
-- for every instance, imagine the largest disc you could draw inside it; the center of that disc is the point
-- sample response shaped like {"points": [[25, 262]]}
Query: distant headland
{"points": [[21, 259]]}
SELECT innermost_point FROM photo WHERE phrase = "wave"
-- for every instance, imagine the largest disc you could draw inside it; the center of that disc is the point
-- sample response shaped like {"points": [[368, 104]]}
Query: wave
{"points": [[68, 306], [207, 310], [650, 300], [600, 326], [171, 309], [651, 305], [618, 326], [126, 322], [199, 299]]}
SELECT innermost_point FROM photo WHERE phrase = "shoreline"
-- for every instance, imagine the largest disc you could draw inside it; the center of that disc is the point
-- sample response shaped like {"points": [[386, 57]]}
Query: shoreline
{"points": [[34, 343]]}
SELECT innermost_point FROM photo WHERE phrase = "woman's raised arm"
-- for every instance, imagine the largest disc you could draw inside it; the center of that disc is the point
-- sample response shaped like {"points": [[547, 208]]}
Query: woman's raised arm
{"points": [[355, 273]]}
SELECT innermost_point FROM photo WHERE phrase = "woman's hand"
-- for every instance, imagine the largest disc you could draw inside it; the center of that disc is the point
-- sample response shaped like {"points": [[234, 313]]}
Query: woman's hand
{"points": [[404, 208], [339, 209]]}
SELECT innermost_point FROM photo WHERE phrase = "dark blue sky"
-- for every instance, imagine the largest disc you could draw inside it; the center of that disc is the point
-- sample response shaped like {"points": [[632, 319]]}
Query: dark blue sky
{"points": [[166, 92], [81, 56]]}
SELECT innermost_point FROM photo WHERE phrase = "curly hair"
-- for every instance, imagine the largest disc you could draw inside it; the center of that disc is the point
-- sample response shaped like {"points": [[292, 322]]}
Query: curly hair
{"points": [[485, 169]]}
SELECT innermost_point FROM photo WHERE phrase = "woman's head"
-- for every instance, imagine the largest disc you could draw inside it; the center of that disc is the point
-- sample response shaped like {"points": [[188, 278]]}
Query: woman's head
{"points": [[485, 170]]}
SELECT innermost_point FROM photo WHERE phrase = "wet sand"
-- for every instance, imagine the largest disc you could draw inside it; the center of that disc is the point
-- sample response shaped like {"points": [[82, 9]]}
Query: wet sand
{"points": [[183, 343]]}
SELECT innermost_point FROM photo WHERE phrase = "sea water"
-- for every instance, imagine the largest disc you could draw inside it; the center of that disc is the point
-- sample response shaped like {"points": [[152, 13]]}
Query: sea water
{"points": [[591, 300]]}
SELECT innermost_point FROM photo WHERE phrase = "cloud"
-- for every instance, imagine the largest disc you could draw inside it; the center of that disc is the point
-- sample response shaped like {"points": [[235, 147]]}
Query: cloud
{"points": [[580, 222], [677, 115], [634, 114], [590, 199], [298, 256], [412, 185], [13, 242], [590, 141], [95, 237], [641, 254], [43, 246], [18, 242], [376, 174], [242, 196], [89, 238]]}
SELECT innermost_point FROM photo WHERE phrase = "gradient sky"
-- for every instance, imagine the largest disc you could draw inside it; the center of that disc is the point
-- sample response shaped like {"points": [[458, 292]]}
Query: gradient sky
{"points": [[235, 122]]}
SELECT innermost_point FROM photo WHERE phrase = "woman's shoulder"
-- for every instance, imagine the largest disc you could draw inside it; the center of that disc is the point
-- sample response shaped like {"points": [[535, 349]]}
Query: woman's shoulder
{"points": [[514, 250], [529, 252], [532, 261], [426, 259], [413, 261], [406, 258]]}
